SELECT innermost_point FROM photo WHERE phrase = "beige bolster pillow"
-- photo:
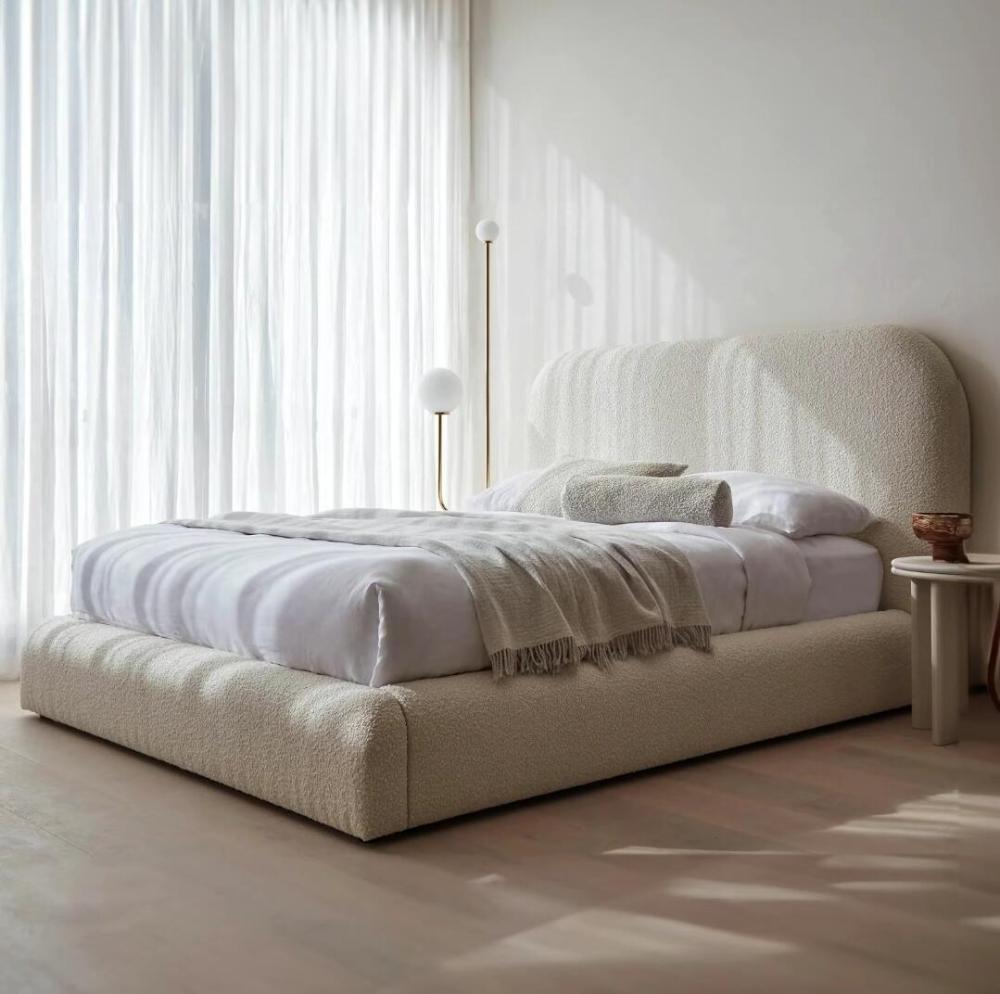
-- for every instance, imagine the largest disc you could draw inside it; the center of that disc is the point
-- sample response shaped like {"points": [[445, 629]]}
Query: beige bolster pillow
{"points": [[543, 495], [618, 500]]}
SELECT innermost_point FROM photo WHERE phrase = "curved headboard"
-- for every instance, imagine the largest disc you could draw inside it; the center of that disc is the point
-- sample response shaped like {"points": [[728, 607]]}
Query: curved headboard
{"points": [[878, 414]]}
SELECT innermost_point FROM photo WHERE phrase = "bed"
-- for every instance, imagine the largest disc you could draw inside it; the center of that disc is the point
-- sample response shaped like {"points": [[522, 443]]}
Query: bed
{"points": [[877, 413]]}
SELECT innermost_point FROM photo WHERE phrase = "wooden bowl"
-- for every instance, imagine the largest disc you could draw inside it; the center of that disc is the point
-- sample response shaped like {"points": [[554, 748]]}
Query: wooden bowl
{"points": [[946, 531]]}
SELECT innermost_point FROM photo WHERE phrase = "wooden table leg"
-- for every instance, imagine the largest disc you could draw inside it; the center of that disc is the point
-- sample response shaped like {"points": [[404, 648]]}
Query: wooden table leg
{"points": [[949, 648], [964, 646], [920, 653], [980, 632]]}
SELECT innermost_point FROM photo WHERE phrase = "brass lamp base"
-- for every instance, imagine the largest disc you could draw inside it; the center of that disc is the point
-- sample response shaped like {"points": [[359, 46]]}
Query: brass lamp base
{"points": [[439, 417]]}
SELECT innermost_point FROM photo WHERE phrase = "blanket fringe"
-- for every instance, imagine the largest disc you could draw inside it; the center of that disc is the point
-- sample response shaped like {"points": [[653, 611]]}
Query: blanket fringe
{"points": [[564, 653]]}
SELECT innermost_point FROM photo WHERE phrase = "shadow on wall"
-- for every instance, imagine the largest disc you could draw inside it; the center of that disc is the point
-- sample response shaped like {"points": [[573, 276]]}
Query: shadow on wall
{"points": [[596, 276]]}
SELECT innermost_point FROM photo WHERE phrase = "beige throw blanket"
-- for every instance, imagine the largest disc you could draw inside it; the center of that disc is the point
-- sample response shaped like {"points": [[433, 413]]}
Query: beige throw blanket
{"points": [[548, 593]]}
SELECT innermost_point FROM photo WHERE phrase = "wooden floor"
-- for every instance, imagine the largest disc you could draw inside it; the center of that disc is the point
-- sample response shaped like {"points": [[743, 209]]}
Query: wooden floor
{"points": [[854, 859]]}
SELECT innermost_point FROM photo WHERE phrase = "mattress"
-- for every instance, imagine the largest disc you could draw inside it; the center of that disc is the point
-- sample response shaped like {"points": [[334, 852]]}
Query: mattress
{"points": [[380, 615]]}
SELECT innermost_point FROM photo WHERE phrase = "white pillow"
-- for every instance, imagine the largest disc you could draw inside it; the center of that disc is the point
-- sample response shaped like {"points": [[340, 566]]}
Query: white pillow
{"points": [[502, 496], [792, 507]]}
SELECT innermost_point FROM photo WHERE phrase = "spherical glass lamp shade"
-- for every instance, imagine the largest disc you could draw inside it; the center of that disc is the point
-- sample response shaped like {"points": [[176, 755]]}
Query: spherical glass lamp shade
{"points": [[487, 231], [440, 390]]}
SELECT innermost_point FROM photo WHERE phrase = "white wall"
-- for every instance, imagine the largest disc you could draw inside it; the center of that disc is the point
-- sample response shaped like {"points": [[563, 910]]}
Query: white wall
{"points": [[672, 169]]}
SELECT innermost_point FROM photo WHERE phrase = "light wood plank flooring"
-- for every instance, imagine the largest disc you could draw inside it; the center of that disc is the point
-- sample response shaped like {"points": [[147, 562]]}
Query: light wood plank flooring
{"points": [[859, 858]]}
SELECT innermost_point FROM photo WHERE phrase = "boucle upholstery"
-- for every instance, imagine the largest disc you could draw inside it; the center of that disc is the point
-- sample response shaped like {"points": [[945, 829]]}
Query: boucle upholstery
{"points": [[372, 761], [876, 413], [331, 750], [618, 500], [474, 745], [543, 495]]}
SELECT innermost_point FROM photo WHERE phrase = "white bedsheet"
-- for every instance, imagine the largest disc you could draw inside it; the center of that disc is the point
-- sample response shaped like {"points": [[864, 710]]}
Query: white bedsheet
{"points": [[378, 615]]}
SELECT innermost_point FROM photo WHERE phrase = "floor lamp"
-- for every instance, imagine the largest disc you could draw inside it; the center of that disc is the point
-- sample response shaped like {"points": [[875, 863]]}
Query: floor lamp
{"points": [[440, 392]]}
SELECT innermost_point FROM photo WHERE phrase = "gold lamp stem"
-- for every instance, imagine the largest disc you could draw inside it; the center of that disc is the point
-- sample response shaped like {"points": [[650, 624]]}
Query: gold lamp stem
{"points": [[488, 362], [439, 417]]}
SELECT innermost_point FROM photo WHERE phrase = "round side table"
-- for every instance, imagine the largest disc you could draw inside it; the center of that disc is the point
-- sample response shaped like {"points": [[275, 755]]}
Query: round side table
{"points": [[952, 619]]}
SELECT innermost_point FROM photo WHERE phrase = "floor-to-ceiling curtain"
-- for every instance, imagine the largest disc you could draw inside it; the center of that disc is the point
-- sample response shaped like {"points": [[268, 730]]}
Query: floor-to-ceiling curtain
{"points": [[232, 237]]}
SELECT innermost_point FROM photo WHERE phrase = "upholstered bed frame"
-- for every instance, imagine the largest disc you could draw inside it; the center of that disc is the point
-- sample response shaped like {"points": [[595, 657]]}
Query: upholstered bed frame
{"points": [[878, 414]]}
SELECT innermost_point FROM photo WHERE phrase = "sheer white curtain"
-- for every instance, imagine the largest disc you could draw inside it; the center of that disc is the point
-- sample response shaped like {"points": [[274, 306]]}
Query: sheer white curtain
{"points": [[232, 237]]}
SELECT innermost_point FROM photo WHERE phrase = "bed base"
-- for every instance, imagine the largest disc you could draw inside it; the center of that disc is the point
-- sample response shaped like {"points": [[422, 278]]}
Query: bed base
{"points": [[374, 761]]}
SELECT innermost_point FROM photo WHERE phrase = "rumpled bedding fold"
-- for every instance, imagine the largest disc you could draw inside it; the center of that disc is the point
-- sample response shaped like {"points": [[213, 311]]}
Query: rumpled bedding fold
{"points": [[548, 593]]}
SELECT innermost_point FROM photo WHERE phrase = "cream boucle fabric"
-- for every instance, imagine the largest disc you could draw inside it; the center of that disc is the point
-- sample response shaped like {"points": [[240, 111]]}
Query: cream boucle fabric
{"points": [[474, 745], [372, 761], [544, 494], [618, 500], [875, 413], [330, 750]]}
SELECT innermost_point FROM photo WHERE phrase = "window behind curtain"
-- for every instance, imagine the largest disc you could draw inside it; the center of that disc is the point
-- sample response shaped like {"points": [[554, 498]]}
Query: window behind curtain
{"points": [[232, 238]]}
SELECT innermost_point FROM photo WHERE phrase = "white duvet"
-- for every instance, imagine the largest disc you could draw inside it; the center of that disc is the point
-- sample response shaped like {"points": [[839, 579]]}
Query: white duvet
{"points": [[378, 615]]}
